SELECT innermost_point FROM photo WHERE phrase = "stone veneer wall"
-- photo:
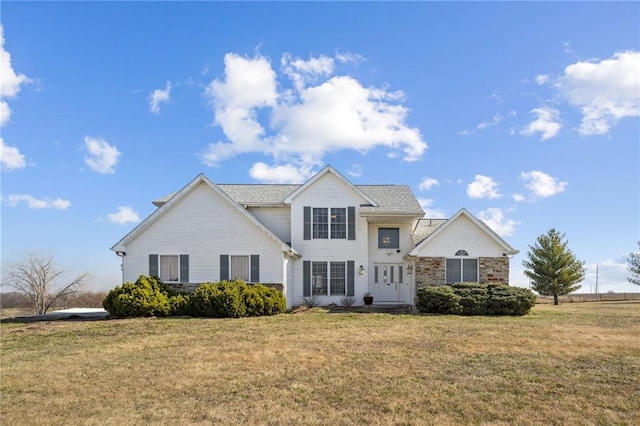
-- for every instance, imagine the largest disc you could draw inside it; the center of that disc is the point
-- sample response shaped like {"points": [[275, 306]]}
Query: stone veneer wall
{"points": [[494, 270], [432, 270]]}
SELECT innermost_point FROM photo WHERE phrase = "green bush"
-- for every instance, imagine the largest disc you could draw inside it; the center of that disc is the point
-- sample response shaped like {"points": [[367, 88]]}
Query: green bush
{"points": [[145, 298], [506, 300], [438, 300], [472, 297], [475, 299], [179, 304], [253, 301], [148, 296], [274, 301], [218, 300]]}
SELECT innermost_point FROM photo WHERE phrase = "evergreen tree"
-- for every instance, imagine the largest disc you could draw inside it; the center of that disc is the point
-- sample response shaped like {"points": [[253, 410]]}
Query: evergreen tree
{"points": [[634, 266], [552, 267]]}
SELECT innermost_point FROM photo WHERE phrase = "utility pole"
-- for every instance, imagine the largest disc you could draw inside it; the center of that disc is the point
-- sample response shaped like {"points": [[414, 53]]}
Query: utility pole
{"points": [[596, 278]]}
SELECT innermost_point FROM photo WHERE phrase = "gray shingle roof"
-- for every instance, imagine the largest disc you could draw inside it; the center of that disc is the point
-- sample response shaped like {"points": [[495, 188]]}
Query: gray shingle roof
{"points": [[391, 199], [424, 228]]}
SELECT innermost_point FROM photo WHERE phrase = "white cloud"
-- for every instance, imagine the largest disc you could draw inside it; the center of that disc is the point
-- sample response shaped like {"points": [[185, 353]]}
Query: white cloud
{"points": [[350, 58], [428, 183], [483, 187], [518, 198], [124, 215], [355, 170], [495, 219], [10, 83], [321, 114], [10, 157], [430, 213], [541, 184], [542, 79], [604, 90], [280, 174], [5, 113], [547, 123], [302, 72], [159, 96], [34, 203], [495, 120], [101, 157]]}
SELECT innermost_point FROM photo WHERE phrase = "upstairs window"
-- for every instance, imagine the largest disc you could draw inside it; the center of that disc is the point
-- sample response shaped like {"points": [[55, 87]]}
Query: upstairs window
{"points": [[336, 223], [320, 222], [389, 238]]}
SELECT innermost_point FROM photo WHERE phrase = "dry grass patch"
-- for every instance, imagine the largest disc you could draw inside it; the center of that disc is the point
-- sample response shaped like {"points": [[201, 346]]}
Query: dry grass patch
{"points": [[568, 364]]}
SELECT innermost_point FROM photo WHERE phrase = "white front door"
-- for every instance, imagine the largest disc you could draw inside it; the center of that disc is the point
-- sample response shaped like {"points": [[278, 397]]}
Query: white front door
{"points": [[389, 283]]}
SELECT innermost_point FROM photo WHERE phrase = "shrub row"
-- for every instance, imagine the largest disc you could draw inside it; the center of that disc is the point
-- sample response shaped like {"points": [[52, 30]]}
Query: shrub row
{"points": [[475, 299], [148, 296]]}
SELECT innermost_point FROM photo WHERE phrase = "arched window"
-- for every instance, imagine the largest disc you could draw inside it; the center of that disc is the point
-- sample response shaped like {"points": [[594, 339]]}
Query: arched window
{"points": [[462, 253]]}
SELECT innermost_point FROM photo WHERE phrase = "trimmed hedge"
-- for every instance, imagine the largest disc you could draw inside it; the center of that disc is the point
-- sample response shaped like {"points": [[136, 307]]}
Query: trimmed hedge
{"points": [[148, 296], [475, 299]]}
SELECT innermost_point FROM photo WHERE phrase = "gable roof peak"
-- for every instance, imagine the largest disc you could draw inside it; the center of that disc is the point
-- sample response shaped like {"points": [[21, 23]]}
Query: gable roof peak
{"points": [[324, 171]]}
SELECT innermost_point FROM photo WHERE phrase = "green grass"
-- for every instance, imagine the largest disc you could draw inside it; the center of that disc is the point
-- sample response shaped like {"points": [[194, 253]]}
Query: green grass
{"points": [[567, 364]]}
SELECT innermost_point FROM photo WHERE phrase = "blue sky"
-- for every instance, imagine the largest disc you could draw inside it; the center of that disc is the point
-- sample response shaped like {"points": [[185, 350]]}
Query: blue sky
{"points": [[526, 114]]}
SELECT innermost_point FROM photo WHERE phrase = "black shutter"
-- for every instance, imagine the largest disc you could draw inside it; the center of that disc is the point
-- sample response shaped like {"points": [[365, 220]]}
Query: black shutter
{"points": [[306, 278], [184, 268], [255, 268], [153, 265], [224, 267], [351, 223], [350, 277], [307, 223]]}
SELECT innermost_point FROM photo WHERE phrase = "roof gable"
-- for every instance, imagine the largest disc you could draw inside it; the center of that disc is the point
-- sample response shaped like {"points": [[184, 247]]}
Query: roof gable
{"points": [[321, 173], [177, 197], [478, 223]]}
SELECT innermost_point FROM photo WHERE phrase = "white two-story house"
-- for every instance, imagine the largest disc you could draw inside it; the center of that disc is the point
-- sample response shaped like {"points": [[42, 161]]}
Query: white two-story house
{"points": [[326, 239]]}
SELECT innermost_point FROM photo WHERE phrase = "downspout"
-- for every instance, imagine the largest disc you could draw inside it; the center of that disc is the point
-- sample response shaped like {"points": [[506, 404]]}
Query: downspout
{"points": [[122, 255]]}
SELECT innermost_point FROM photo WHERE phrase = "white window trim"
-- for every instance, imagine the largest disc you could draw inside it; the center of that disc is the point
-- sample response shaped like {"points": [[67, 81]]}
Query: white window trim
{"points": [[461, 260], [328, 269], [160, 256], [330, 223]]}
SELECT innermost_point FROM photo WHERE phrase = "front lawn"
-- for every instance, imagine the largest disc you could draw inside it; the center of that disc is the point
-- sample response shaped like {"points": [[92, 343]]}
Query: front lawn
{"points": [[577, 363]]}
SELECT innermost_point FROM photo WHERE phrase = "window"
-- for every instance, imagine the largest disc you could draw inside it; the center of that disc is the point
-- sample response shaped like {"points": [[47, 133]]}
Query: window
{"points": [[328, 278], [243, 267], [316, 223], [388, 238], [320, 222], [319, 278], [337, 284], [239, 268], [169, 268], [461, 270], [375, 274], [339, 223]]}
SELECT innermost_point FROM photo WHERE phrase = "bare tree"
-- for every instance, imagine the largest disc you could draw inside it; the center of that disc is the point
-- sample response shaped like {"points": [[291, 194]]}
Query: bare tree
{"points": [[37, 277]]}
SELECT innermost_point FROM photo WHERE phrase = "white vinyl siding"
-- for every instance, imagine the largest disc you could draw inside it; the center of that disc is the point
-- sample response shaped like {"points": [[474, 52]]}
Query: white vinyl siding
{"points": [[204, 225], [330, 192], [462, 233]]}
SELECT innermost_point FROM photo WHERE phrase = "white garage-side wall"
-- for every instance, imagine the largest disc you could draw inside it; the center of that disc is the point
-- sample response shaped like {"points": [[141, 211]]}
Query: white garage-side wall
{"points": [[204, 225], [461, 234]]}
